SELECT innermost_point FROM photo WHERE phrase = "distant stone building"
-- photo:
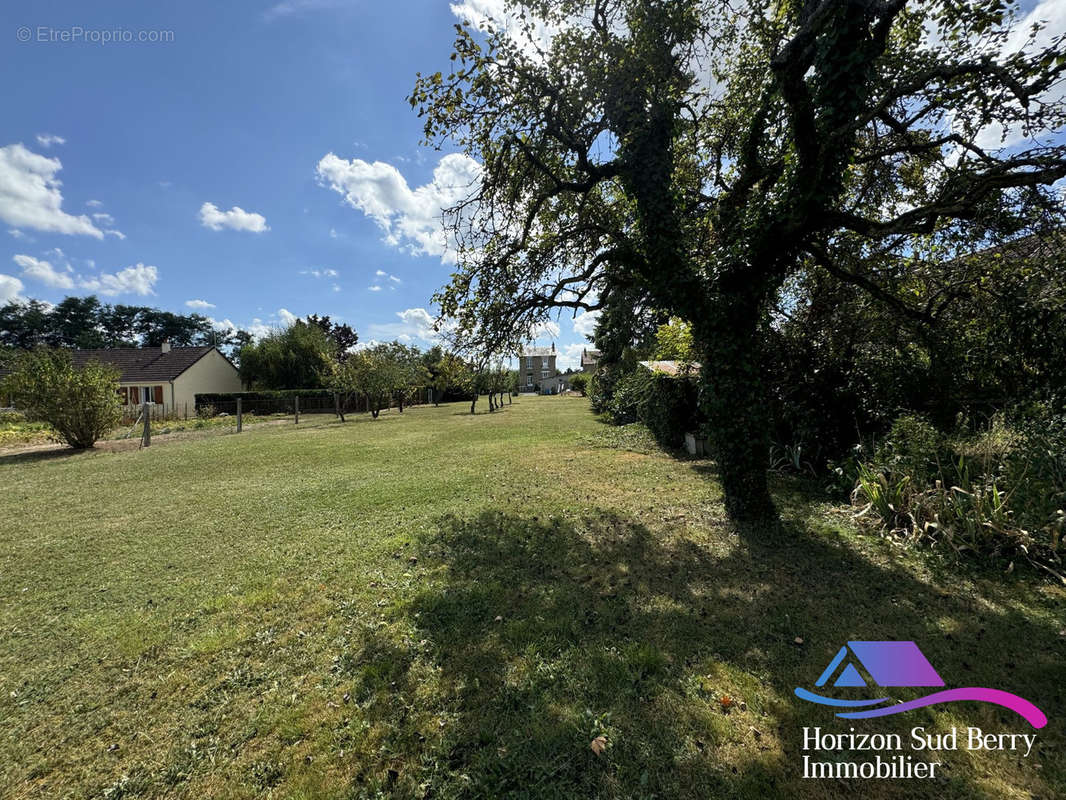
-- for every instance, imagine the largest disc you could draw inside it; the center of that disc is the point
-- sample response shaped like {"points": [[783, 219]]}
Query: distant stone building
{"points": [[536, 364], [589, 359]]}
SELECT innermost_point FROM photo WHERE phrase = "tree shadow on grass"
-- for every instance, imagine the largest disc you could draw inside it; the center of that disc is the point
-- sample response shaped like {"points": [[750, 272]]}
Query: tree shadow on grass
{"points": [[35, 456], [533, 637]]}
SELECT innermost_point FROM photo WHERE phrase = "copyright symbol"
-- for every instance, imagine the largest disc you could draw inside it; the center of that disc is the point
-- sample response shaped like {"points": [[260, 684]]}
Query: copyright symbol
{"points": [[23, 34]]}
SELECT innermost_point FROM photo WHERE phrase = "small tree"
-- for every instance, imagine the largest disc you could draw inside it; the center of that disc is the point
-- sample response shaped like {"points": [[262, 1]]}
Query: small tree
{"points": [[373, 373], [80, 403], [579, 382], [411, 373]]}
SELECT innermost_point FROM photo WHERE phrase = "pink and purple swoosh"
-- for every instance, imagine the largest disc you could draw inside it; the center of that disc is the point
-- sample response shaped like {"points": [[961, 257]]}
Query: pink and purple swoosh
{"points": [[1019, 705]]}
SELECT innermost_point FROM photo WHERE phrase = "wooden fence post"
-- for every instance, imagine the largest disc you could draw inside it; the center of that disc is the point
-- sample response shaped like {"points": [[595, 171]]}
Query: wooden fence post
{"points": [[146, 437], [296, 408], [240, 418]]}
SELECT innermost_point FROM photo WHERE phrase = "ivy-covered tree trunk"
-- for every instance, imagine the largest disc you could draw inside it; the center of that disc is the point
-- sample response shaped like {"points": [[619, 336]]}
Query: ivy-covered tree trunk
{"points": [[733, 398]]}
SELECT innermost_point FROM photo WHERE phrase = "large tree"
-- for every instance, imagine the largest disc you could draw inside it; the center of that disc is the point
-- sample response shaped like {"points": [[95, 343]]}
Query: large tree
{"points": [[296, 357], [690, 157]]}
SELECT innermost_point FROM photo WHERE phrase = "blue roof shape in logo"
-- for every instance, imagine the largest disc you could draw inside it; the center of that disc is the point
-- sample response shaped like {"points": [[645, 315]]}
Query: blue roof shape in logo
{"points": [[887, 663]]}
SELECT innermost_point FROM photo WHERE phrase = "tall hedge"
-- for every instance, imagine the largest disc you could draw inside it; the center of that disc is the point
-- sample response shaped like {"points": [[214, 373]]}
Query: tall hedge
{"points": [[667, 404]]}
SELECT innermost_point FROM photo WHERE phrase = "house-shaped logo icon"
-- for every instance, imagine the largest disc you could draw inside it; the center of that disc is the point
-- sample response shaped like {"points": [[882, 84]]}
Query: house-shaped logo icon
{"points": [[887, 663], [860, 664]]}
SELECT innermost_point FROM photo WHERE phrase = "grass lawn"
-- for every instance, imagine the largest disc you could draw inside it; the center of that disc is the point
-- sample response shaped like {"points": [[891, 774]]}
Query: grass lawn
{"points": [[439, 605]]}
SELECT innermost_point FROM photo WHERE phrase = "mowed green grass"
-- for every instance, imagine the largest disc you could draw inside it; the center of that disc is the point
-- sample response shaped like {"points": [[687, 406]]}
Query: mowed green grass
{"points": [[436, 605]]}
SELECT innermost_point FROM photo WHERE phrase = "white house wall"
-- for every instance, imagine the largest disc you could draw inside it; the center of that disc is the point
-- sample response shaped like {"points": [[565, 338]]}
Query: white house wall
{"points": [[212, 373]]}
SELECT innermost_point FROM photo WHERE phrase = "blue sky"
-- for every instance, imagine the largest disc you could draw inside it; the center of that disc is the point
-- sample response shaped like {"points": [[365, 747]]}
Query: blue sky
{"points": [[259, 157]]}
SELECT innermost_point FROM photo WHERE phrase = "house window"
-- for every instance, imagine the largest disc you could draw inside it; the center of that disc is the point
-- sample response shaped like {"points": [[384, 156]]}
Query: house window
{"points": [[149, 394], [544, 362], [544, 373], [529, 362], [529, 379]]}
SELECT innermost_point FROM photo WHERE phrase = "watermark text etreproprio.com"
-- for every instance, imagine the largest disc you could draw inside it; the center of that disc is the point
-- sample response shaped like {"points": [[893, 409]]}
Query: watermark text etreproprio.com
{"points": [[78, 34]]}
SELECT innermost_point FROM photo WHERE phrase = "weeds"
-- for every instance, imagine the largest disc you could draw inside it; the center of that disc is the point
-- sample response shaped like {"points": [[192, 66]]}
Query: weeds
{"points": [[998, 494]]}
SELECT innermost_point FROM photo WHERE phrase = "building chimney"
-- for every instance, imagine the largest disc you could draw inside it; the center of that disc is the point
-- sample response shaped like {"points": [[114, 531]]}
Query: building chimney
{"points": [[165, 346], [553, 347]]}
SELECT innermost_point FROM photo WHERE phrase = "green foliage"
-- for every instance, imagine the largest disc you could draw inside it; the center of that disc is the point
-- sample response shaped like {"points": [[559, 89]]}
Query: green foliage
{"points": [[80, 404], [579, 382], [412, 375], [295, 357], [673, 342], [342, 336], [999, 493], [668, 405], [843, 366], [86, 323], [630, 397], [378, 373]]}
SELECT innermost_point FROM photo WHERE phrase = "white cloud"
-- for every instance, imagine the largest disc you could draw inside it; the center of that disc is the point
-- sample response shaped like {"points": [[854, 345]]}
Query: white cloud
{"points": [[482, 13], [286, 317], [236, 219], [289, 8], [585, 324], [569, 356], [1052, 15], [410, 218], [374, 288], [104, 218], [391, 278], [547, 329], [200, 304], [93, 203], [10, 290], [30, 195], [49, 139], [139, 279], [16, 233], [43, 271], [415, 323], [336, 287], [117, 234], [332, 233], [320, 273]]}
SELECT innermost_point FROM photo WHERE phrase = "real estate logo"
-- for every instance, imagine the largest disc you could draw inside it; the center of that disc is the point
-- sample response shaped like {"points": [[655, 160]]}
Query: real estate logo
{"points": [[901, 664]]}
